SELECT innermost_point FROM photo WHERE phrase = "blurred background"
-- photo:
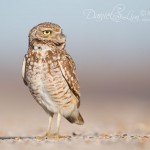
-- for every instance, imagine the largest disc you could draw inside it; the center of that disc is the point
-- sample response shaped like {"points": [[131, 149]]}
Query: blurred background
{"points": [[109, 42]]}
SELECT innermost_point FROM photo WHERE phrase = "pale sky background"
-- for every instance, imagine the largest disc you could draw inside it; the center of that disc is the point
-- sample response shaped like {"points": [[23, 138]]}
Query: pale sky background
{"points": [[111, 57]]}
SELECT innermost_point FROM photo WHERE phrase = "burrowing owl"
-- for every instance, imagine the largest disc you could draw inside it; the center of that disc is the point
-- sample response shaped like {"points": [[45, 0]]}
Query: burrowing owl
{"points": [[49, 72]]}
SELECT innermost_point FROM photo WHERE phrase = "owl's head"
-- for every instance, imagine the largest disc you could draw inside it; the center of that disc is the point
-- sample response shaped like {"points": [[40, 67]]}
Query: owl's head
{"points": [[48, 33]]}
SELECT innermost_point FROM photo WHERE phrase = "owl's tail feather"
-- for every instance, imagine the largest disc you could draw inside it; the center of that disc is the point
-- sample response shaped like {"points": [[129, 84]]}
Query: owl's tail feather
{"points": [[75, 117]]}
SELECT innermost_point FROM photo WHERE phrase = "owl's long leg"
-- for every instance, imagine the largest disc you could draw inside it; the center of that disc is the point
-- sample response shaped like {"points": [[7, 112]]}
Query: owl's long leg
{"points": [[57, 135], [58, 124], [48, 133]]}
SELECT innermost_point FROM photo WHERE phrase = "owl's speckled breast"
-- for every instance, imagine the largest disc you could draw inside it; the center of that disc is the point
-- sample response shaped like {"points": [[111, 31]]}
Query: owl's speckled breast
{"points": [[45, 81]]}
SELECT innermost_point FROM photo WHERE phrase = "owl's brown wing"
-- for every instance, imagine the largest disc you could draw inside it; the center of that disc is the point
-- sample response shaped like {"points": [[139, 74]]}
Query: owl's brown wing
{"points": [[23, 70], [67, 66]]}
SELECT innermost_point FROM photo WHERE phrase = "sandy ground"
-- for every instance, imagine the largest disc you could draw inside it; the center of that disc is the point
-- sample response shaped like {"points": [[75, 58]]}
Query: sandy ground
{"points": [[115, 123], [95, 141]]}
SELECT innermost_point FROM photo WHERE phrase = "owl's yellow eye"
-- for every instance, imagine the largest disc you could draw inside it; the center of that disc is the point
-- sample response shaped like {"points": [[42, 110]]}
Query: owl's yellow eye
{"points": [[46, 32]]}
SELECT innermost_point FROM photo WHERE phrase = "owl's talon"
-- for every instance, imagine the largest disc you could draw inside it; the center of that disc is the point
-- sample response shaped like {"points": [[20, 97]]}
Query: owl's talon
{"points": [[41, 137], [57, 136], [46, 136], [51, 136]]}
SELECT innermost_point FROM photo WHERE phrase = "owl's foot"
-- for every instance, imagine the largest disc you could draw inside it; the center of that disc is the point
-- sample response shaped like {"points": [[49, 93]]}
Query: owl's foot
{"points": [[57, 136], [51, 136], [46, 136]]}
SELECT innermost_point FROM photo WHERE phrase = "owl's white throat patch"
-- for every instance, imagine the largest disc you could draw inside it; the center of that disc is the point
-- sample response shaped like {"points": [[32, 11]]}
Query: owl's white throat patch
{"points": [[42, 47]]}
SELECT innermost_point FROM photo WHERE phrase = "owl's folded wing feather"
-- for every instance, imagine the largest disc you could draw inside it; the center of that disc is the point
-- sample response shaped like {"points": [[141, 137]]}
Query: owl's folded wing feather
{"points": [[67, 66], [23, 70]]}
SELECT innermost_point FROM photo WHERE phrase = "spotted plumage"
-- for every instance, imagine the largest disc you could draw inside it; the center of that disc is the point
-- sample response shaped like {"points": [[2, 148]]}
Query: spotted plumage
{"points": [[49, 72]]}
